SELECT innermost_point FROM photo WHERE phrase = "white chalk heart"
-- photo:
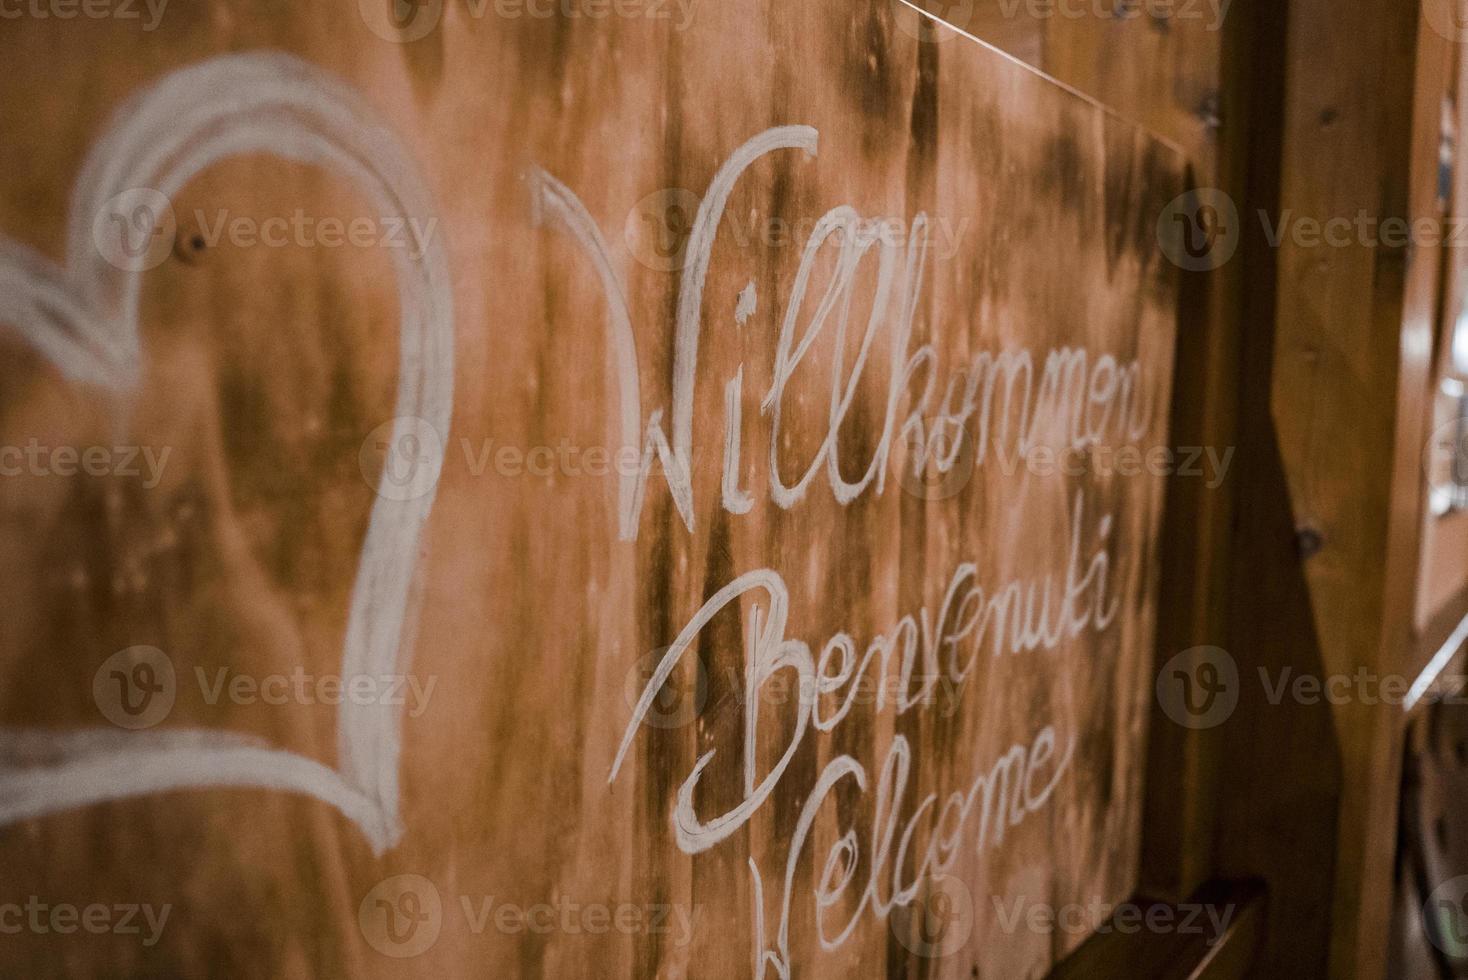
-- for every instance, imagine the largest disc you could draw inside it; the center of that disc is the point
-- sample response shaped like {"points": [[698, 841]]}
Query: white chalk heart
{"points": [[84, 318]]}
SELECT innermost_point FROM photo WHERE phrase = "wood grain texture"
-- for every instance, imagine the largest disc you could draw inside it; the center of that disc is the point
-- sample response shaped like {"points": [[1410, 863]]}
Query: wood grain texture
{"points": [[1335, 379], [1187, 71], [269, 371]]}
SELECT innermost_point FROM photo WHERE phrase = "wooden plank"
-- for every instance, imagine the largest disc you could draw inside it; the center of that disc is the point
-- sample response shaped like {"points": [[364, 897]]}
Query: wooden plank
{"points": [[1185, 71], [545, 772]]}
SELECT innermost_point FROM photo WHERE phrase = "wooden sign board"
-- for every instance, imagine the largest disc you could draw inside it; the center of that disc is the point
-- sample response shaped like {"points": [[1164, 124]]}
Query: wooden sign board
{"points": [[570, 495]]}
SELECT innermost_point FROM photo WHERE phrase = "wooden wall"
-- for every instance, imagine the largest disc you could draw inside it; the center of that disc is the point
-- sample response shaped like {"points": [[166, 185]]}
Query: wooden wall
{"points": [[559, 615], [1309, 364]]}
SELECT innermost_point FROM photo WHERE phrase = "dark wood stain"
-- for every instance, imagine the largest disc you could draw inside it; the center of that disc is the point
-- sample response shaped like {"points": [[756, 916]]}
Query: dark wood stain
{"points": [[534, 611]]}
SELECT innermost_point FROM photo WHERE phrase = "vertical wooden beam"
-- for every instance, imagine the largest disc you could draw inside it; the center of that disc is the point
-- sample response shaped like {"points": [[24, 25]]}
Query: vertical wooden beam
{"points": [[1336, 338], [1184, 764]]}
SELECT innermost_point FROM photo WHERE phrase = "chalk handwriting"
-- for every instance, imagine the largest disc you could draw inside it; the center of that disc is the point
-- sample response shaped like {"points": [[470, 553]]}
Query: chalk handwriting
{"points": [[83, 316], [1013, 618], [1073, 399]]}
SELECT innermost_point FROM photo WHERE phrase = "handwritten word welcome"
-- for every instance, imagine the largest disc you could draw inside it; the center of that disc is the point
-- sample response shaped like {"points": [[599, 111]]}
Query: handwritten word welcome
{"points": [[1014, 617]]}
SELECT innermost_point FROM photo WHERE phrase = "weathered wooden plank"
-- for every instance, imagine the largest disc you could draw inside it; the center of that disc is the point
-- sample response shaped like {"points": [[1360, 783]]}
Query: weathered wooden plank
{"points": [[1188, 71], [540, 799]]}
